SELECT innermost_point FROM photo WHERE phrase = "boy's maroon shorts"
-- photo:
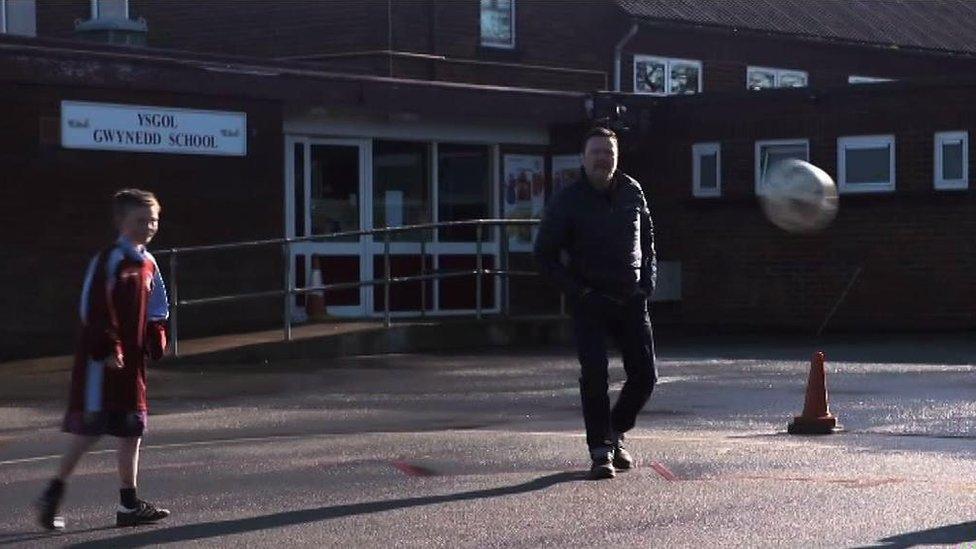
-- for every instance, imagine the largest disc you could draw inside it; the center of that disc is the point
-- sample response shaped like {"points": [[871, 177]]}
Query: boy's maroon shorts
{"points": [[116, 424]]}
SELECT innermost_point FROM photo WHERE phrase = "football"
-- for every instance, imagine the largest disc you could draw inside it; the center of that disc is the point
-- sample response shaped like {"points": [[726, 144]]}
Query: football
{"points": [[798, 197]]}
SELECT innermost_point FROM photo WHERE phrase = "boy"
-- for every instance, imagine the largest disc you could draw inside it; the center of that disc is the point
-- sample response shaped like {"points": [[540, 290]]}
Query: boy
{"points": [[123, 314]]}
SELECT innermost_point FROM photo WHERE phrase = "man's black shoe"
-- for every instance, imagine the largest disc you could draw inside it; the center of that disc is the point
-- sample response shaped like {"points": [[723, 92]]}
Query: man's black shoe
{"points": [[621, 457], [602, 467], [143, 513]]}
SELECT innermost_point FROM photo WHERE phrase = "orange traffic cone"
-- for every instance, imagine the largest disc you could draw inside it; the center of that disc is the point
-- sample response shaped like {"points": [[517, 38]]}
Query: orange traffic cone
{"points": [[816, 418], [315, 300]]}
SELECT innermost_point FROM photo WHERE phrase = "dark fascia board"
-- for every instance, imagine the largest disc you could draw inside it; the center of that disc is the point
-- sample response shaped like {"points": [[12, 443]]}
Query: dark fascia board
{"points": [[57, 62]]}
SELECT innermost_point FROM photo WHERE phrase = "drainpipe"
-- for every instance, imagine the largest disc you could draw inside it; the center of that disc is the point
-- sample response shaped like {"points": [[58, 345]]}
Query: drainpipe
{"points": [[618, 52], [389, 31]]}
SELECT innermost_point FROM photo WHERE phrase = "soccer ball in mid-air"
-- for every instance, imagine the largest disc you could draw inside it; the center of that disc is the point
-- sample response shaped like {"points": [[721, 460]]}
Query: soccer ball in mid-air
{"points": [[798, 196]]}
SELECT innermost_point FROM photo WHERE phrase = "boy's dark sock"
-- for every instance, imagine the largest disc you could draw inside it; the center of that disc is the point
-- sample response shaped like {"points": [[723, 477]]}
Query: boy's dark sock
{"points": [[55, 489], [127, 497]]}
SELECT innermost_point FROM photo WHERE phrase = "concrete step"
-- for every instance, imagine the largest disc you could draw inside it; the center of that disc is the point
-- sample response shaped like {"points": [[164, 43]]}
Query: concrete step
{"points": [[375, 339], [345, 338]]}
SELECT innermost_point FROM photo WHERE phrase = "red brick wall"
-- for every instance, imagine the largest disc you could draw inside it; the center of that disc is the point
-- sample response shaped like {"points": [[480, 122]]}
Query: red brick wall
{"points": [[548, 34], [560, 35], [578, 35], [57, 19], [260, 28], [54, 204], [916, 246]]}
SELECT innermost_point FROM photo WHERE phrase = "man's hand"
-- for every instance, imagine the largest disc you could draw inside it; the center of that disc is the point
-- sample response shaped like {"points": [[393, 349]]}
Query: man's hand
{"points": [[589, 295], [640, 293]]}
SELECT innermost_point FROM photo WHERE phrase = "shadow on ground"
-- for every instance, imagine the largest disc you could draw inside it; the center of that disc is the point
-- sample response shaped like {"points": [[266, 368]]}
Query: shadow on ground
{"points": [[952, 534], [193, 532]]}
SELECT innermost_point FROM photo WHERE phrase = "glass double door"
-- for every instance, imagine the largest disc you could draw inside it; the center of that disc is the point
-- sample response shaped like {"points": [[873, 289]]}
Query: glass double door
{"points": [[350, 185]]}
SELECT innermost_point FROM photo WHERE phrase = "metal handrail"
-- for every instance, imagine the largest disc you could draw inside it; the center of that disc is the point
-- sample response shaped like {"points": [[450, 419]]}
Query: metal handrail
{"points": [[387, 280]]}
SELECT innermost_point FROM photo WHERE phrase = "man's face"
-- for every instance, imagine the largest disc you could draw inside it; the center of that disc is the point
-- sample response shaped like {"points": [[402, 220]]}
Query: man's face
{"points": [[600, 160], [139, 225]]}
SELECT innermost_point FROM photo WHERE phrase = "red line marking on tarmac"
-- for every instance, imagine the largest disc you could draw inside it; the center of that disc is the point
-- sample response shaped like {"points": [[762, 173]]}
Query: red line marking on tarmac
{"points": [[412, 470], [664, 471]]}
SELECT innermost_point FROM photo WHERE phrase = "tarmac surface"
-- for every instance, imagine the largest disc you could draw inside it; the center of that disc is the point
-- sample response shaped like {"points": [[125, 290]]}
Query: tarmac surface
{"points": [[485, 449]]}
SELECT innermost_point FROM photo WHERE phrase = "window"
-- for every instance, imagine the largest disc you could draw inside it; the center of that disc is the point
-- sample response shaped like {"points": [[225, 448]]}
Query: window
{"points": [[661, 76], [951, 160], [706, 169], [110, 9], [855, 79], [498, 23], [401, 186], [334, 192], [758, 78], [866, 163], [463, 188], [773, 151], [18, 17]]}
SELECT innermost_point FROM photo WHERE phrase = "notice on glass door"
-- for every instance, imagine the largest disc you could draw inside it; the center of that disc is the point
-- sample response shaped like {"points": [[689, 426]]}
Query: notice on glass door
{"points": [[523, 196]]}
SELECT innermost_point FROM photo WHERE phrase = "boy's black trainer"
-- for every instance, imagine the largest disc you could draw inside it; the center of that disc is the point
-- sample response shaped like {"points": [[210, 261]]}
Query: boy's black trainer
{"points": [[143, 513], [47, 513], [47, 506]]}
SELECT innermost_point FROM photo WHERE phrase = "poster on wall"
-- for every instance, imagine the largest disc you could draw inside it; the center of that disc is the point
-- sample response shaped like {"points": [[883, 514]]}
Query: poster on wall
{"points": [[565, 170], [523, 196]]}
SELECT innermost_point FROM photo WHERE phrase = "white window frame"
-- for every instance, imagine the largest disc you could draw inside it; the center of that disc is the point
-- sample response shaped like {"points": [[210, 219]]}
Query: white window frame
{"points": [[861, 79], [777, 75], [667, 61], [481, 39], [96, 9], [939, 180], [864, 142], [759, 146], [699, 150], [18, 17]]}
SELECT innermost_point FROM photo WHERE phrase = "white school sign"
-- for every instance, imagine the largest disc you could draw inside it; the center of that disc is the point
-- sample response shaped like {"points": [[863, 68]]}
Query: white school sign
{"points": [[136, 128]]}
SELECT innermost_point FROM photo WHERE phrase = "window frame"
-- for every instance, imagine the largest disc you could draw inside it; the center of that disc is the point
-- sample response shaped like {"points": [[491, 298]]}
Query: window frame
{"points": [[495, 45], [938, 179], [857, 79], [667, 61], [758, 155], [698, 150], [848, 142], [777, 75]]}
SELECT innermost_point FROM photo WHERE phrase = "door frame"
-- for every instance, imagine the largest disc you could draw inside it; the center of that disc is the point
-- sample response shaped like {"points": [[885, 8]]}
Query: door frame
{"points": [[355, 248], [368, 245]]}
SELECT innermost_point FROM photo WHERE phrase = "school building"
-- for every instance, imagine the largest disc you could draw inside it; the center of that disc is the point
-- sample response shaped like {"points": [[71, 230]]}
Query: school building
{"points": [[255, 120]]}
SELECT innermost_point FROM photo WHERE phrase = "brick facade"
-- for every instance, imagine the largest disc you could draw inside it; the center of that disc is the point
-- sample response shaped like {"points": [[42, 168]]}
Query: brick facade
{"points": [[558, 45], [55, 206], [911, 249], [914, 246]]}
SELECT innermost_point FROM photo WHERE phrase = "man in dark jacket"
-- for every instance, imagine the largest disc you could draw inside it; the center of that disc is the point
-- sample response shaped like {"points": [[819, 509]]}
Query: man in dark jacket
{"points": [[603, 223]]}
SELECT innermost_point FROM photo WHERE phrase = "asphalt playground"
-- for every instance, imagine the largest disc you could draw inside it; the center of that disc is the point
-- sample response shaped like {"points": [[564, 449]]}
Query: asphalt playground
{"points": [[485, 449]]}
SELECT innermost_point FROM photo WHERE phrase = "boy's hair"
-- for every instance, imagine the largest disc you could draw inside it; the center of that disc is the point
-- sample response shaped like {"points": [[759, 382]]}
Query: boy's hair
{"points": [[599, 131], [127, 199]]}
